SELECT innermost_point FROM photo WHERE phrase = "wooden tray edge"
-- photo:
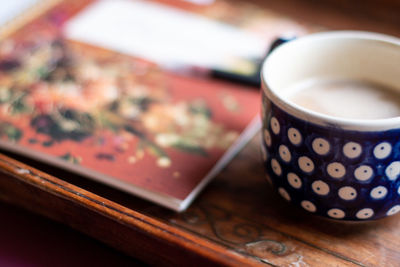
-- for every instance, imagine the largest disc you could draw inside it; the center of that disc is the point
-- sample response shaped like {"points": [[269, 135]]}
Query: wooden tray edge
{"points": [[182, 241]]}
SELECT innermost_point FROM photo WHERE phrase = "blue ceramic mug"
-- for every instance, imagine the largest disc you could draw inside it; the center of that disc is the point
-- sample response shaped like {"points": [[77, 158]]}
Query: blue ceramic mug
{"points": [[345, 169]]}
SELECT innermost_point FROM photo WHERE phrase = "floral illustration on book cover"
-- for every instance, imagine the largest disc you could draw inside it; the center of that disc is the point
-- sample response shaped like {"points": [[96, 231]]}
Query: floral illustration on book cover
{"points": [[112, 113]]}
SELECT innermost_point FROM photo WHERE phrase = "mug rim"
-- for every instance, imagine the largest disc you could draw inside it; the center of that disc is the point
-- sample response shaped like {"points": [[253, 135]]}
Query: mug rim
{"points": [[320, 118]]}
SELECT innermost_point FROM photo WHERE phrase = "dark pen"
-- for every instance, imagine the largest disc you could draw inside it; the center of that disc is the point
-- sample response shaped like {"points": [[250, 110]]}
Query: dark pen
{"points": [[249, 80]]}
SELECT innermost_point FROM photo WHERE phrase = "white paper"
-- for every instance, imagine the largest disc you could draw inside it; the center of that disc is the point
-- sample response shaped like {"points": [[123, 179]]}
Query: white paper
{"points": [[11, 8], [162, 34]]}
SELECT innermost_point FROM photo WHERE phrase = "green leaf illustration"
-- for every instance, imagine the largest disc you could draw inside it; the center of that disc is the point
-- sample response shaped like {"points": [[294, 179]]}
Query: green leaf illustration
{"points": [[65, 124], [70, 158], [190, 148], [12, 133], [199, 107], [18, 105]]}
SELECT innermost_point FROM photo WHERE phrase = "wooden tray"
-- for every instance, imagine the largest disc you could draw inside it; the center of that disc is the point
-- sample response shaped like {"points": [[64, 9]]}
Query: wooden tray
{"points": [[237, 221]]}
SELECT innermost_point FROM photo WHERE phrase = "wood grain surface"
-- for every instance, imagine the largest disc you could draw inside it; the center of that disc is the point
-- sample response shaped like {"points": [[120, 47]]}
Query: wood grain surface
{"points": [[238, 220]]}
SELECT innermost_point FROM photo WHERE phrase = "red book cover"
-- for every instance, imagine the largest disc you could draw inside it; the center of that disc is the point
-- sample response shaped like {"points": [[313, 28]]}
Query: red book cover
{"points": [[104, 112]]}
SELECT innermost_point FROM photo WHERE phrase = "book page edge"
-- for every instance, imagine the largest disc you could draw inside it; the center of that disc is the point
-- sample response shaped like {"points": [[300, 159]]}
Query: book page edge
{"points": [[137, 191], [26, 16], [248, 133]]}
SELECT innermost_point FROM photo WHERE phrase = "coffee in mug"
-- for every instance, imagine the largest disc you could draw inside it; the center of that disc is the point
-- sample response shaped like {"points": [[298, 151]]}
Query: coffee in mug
{"points": [[345, 98], [331, 124]]}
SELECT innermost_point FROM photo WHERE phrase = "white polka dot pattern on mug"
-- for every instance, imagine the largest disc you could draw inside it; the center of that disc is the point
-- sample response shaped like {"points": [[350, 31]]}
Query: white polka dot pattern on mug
{"points": [[336, 170], [352, 150], [363, 173], [306, 164], [267, 137], [382, 150], [276, 167], [393, 170], [294, 136], [294, 180], [321, 146], [336, 213], [275, 126], [321, 188], [378, 192], [365, 213], [330, 171], [347, 193], [284, 153], [308, 206], [393, 210], [284, 193]]}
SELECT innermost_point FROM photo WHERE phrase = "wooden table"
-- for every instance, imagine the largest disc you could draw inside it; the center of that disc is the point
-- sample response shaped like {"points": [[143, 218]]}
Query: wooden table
{"points": [[238, 220]]}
